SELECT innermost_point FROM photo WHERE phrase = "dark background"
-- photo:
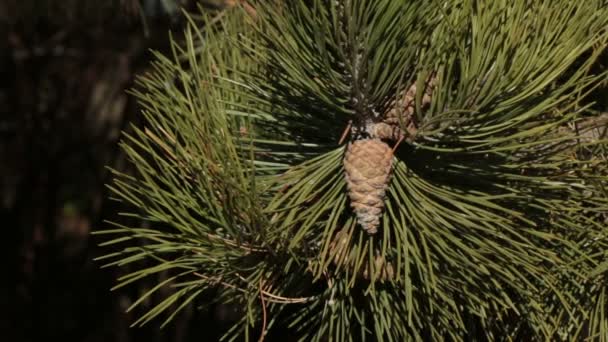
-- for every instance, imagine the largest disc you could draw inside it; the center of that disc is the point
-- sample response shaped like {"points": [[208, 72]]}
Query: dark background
{"points": [[65, 66]]}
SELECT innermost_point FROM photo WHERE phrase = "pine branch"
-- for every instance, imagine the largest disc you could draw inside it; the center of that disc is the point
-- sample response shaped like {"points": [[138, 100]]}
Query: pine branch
{"points": [[490, 211]]}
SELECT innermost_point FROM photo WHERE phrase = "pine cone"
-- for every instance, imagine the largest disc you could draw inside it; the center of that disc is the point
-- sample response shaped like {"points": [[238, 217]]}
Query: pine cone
{"points": [[385, 131], [402, 112], [368, 166]]}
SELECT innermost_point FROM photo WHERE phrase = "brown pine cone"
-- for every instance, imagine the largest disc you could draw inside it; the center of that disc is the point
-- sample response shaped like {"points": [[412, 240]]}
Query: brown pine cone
{"points": [[367, 165], [401, 114], [385, 131]]}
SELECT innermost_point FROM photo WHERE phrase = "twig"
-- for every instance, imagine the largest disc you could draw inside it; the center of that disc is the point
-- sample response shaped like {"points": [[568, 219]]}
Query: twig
{"points": [[263, 333], [272, 298], [398, 143], [248, 7], [286, 300], [348, 127]]}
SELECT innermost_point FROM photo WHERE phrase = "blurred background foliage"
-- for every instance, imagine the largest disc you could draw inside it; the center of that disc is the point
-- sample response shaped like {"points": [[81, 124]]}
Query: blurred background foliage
{"points": [[65, 67]]}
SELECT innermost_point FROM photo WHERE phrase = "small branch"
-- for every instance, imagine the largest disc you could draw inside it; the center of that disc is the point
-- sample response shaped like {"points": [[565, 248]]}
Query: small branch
{"points": [[287, 300], [263, 333], [272, 298], [346, 130], [246, 6], [398, 143]]}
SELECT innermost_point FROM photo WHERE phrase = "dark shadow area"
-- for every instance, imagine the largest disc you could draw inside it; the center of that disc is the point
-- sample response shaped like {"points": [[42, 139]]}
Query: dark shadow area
{"points": [[65, 67]]}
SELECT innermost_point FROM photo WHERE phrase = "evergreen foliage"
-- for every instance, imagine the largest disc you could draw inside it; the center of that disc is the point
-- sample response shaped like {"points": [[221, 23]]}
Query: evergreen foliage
{"points": [[495, 215]]}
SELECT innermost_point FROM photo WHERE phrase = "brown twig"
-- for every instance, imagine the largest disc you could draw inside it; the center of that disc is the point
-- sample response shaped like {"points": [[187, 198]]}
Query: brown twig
{"points": [[246, 6], [263, 333], [345, 133], [272, 298], [397, 144], [287, 300], [250, 9]]}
